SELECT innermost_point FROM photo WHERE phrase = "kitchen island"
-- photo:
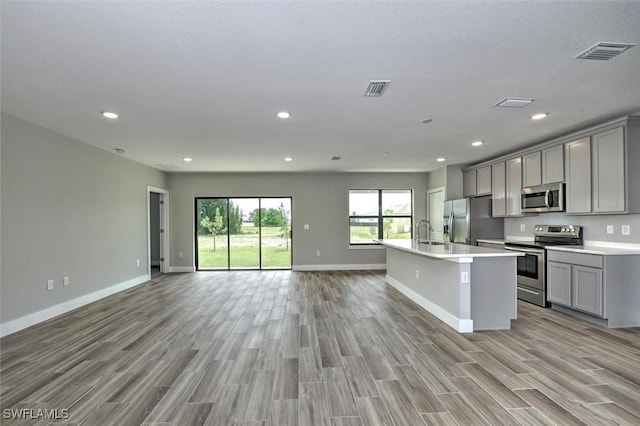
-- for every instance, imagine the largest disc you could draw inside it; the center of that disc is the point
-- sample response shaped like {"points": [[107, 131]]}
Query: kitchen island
{"points": [[469, 288]]}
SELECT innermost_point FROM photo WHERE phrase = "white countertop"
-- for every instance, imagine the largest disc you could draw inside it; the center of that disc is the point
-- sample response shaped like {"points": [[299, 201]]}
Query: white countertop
{"points": [[595, 248], [460, 253]]}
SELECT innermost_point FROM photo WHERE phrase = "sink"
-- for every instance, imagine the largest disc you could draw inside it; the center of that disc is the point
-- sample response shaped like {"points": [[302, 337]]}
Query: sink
{"points": [[433, 243]]}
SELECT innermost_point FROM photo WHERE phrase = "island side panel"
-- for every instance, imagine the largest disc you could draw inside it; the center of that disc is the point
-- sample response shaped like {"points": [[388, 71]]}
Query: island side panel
{"points": [[437, 286], [493, 292]]}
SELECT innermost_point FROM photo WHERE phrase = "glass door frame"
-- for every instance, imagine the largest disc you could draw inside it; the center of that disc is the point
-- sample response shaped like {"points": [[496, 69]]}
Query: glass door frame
{"points": [[229, 268]]}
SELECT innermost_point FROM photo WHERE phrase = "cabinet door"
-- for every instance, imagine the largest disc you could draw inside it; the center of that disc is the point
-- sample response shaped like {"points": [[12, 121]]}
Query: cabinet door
{"points": [[607, 156], [559, 283], [498, 190], [577, 161], [553, 165], [587, 289], [483, 181], [469, 184], [531, 170], [514, 186]]}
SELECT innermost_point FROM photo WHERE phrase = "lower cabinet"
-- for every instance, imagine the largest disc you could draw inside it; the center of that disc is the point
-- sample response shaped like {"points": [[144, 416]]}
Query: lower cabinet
{"points": [[576, 281], [587, 289]]}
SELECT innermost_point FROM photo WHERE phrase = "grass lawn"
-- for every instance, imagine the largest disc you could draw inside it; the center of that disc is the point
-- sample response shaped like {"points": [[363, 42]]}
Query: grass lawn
{"points": [[276, 253]]}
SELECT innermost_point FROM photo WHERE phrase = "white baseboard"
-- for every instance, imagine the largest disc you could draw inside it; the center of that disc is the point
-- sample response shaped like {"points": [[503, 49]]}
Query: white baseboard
{"points": [[341, 267], [460, 325], [21, 323], [182, 269]]}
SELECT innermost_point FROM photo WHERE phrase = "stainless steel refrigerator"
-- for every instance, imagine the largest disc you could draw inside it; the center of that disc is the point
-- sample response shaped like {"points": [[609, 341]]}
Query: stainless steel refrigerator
{"points": [[468, 219]]}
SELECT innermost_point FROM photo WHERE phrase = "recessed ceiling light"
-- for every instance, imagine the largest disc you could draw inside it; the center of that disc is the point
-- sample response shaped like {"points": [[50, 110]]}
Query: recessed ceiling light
{"points": [[288, 158], [119, 150], [109, 114], [441, 159], [187, 159], [283, 114], [385, 154], [477, 143], [427, 120], [539, 116]]}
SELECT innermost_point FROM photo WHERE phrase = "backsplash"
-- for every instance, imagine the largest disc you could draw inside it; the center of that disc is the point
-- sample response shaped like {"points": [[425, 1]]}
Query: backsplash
{"points": [[594, 227]]}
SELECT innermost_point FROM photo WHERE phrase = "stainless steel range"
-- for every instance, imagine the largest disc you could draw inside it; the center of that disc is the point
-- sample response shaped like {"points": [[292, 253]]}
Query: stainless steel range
{"points": [[531, 269]]}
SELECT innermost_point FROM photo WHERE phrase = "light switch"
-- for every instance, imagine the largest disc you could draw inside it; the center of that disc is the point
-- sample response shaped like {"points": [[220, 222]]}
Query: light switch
{"points": [[306, 226], [522, 227], [626, 230]]}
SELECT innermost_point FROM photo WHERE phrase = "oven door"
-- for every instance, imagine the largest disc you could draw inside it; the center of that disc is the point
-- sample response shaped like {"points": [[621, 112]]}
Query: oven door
{"points": [[530, 267]]}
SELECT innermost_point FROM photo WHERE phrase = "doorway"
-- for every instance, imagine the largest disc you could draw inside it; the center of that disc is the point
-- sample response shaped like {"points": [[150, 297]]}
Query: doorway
{"points": [[157, 231], [243, 233]]}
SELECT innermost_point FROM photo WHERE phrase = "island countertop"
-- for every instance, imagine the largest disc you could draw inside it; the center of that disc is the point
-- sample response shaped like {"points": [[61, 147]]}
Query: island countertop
{"points": [[459, 253]]}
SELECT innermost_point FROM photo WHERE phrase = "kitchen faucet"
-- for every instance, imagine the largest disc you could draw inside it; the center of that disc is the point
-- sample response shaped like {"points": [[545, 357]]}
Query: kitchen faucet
{"points": [[429, 230]]}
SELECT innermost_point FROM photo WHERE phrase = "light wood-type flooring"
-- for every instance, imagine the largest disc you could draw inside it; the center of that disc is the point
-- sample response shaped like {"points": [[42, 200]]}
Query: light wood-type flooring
{"points": [[312, 348]]}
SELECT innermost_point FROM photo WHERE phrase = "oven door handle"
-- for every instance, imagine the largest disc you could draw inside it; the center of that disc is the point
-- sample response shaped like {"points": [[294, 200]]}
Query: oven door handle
{"points": [[525, 250]]}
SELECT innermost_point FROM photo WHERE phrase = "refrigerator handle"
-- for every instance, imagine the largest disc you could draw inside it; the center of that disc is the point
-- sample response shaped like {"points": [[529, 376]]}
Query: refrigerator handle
{"points": [[452, 228]]}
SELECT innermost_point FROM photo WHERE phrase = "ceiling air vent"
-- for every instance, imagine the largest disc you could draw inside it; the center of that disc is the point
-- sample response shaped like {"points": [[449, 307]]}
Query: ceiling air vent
{"points": [[515, 102], [335, 158], [376, 88], [604, 51]]}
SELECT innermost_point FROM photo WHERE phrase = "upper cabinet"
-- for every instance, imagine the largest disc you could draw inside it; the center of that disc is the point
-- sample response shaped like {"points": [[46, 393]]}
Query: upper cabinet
{"points": [[608, 171], [577, 157], [531, 169], [483, 181], [599, 173], [599, 165], [476, 182], [469, 182], [553, 164], [499, 190], [514, 186]]}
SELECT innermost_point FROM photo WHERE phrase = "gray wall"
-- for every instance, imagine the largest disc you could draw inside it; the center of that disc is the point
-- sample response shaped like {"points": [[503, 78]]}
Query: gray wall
{"points": [[68, 209], [319, 199], [595, 227]]}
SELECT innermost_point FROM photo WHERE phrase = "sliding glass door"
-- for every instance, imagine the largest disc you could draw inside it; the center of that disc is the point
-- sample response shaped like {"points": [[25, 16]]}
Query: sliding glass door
{"points": [[243, 233]]}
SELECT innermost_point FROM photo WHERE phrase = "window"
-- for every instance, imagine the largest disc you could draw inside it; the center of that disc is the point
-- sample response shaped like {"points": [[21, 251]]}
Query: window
{"points": [[379, 213]]}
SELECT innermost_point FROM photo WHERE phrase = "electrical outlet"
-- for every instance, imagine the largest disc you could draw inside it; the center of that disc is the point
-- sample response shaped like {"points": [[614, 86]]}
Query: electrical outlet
{"points": [[180, 254], [137, 262], [523, 227], [626, 230], [417, 274], [609, 229], [306, 226], [65, 281], [464, 277], [49, 284], [317, 252]]}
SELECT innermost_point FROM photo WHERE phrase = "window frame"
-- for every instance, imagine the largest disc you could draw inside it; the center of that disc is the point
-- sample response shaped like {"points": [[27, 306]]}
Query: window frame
{"points": [[380, 216]]}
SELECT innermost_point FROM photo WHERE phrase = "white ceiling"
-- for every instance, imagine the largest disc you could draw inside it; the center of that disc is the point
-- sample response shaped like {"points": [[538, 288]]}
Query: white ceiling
{"points": [[205, 79]]}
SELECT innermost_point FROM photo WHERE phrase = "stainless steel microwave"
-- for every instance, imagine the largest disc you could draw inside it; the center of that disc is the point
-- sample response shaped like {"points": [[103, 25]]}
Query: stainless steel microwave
{"points": [[543, 198]]}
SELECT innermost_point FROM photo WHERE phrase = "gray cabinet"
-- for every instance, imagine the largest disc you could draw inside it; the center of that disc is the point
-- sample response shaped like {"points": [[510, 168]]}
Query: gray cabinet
{"points": [[531, 169], [483, 181], [608, 168], [559, 283], [577, 160], [514, 186], [553, 164], [587, 289], [498, 190], [576, 281], [469, 183]]}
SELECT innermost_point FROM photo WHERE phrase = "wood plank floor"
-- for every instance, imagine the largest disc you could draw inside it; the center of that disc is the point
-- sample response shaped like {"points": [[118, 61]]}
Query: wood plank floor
{"points": [[312, 348]]}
